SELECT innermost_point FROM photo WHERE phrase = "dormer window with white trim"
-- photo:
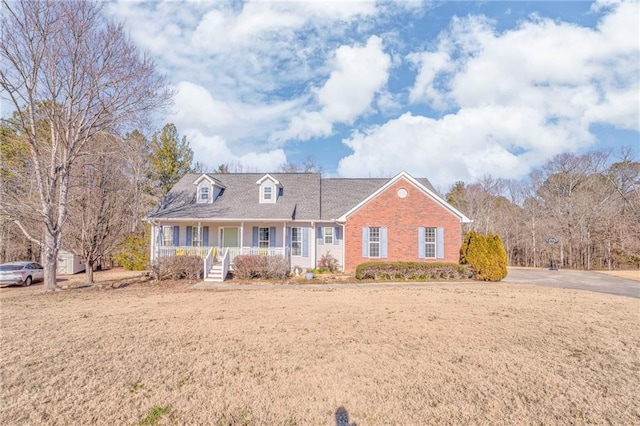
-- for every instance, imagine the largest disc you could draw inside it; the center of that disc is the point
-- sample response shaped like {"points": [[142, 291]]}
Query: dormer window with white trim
{"points": [[204, 194], [267, 193], [269, 189], [207, 189]]}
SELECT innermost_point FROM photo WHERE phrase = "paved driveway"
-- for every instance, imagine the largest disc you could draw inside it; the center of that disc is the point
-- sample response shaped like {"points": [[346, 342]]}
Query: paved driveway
{"points": [[579, 280]]}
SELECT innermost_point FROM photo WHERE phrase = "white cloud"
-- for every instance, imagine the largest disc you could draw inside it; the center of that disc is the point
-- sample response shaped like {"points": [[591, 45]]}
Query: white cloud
{"points": [[518, 98], [196, 107], [244, 71], [358, 74], [213, 151]]}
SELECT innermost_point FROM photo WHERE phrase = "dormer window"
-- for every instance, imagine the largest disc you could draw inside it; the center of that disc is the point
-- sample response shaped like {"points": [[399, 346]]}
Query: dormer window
{"points": [[208, 189], [204, 194], [270, 189]]}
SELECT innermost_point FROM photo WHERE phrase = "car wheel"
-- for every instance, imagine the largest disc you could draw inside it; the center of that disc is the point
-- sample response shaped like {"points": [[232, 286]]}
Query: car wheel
{"points": [[27, 282]]}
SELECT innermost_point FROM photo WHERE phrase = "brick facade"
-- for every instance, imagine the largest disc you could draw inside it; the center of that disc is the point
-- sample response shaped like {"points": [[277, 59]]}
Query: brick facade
{"points": [[402, 217]]}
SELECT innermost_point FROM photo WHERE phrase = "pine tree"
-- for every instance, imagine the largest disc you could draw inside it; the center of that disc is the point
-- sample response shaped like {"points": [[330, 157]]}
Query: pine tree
{"points": [[171, 158]]}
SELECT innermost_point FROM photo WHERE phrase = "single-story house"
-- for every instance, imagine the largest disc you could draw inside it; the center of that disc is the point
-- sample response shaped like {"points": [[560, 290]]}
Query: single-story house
{"points": [[302, 216]]}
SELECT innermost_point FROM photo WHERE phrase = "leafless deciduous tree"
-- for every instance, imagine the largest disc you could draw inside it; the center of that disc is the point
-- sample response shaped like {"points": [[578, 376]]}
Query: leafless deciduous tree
{"points": [[65, 66], [588, 202], [99, 196]]}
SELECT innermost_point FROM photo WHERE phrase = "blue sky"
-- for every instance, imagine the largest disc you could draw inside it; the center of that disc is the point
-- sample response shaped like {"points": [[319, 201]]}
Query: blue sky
{"points": [[445, 90]]}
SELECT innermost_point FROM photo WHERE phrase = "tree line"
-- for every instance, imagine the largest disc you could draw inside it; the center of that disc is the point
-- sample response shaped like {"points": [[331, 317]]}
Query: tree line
{"points": [[581, 210]]}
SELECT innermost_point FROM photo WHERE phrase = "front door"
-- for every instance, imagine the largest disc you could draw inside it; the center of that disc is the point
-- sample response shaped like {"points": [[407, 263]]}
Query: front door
{"points": [[230, 237]]}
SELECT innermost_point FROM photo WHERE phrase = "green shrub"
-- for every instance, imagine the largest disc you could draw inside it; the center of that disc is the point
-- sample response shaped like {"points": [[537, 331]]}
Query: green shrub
{"points": [[252, 266], [412, 271], [178, 267], [133, 253], [486, 255]]}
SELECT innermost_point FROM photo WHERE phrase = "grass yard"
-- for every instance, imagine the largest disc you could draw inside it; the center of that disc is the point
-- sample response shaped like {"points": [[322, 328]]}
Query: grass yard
{"points": [[433, 354]]}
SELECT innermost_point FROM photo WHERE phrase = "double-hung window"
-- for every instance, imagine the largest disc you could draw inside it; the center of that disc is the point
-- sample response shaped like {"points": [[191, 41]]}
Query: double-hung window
{"points": [[328, 235], [267, 193], [263, 237], [374, 242], [296, 241], [204, 194], [167, 235], [196, 236], [430, 243]]}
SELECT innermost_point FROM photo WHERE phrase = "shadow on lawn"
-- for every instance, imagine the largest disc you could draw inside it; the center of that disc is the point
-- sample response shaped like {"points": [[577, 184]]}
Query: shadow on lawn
{"points": [[342, 417]]}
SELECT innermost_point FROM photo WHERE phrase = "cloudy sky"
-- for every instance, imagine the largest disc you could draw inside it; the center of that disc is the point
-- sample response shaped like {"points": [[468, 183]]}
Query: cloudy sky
{"points": [[445, 90]]}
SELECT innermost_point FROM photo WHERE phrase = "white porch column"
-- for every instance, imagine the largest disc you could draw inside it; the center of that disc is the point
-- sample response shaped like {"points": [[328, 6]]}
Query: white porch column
{"points": [[314, 244], [154, 230], [284, 237], [284, 243], [241, 236]]}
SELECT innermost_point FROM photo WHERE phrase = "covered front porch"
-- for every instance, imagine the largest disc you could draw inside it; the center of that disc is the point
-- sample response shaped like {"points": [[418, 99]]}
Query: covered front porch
{"points": [[219, 243]]}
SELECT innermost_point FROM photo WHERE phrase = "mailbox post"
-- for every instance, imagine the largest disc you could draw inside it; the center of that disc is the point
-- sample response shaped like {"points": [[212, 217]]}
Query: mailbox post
{"points": [[552, 241]]}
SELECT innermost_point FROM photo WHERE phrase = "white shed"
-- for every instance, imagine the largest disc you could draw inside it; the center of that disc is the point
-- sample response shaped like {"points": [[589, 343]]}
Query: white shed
{"points": [[69, 263]]}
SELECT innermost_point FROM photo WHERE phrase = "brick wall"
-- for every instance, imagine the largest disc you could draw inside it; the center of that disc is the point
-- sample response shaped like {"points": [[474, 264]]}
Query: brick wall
{"points": [[402, 217]]}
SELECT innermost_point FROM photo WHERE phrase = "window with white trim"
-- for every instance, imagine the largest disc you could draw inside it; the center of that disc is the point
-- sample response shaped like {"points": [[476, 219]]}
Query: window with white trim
{"points": [[167, 235], [196, 236], [296, 241], [430, 243], [204, 194], [263, 237], [267, 193], [374, 242], [328, 235]]}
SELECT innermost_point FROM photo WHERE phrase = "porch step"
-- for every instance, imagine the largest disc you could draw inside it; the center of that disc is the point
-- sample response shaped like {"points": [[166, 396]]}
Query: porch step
{"points": [[215, 274]]}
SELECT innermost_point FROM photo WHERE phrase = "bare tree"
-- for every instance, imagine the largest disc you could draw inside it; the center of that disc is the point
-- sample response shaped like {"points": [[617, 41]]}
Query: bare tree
{"points": [[308, 165], [65, 66], [99, 194]]}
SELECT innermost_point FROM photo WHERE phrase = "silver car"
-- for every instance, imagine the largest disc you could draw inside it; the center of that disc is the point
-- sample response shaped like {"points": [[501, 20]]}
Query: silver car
{"points": [[23, 273]]}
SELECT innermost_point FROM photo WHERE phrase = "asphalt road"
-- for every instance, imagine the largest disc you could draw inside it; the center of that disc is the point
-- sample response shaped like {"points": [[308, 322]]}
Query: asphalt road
{"points": [[578, 280]]}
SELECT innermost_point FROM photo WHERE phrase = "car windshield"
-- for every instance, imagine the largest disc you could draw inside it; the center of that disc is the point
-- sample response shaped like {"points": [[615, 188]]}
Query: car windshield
{"points": [[11, 267]]}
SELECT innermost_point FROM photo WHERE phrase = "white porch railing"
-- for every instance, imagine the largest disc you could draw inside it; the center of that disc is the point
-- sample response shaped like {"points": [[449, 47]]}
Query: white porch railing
{"points": [[166, 251], [271, 251], [208, 262], [209, 254], [226, 264]]}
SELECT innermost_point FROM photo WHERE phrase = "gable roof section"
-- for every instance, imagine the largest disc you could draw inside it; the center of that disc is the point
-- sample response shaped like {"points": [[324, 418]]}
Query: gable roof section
{"points": [[271, 178], [339, 195], [211, 179], [300, 199], [426, 190]]}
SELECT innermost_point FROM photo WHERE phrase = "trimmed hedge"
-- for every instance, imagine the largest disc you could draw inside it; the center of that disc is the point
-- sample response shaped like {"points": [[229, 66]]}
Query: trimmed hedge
{"points": [[412, 271], [486, 255], [249, 266]]}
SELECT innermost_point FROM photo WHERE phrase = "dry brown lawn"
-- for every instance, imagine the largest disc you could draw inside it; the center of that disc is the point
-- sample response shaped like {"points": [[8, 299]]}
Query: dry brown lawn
{"points": [[431, 354]]}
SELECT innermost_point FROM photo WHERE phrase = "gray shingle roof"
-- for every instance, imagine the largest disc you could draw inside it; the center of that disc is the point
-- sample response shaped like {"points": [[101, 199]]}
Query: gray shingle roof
{"points": [[300, 198], [305, 196], [339, 195]]}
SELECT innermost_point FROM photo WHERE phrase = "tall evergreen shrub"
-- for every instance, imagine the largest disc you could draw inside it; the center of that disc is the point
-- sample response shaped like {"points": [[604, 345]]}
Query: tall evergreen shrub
{"points": [[486, 255]]}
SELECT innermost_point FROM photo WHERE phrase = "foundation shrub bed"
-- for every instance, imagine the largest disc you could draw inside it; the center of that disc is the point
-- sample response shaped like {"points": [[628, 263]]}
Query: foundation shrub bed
{"points": [[412, 271], [250, 266], [178, 267]]}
